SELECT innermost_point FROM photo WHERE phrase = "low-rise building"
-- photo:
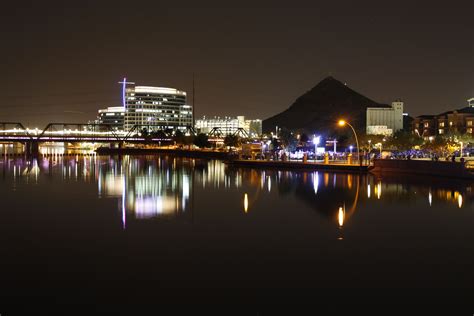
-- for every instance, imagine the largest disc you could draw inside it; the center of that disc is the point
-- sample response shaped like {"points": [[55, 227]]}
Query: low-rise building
{"points": [[229, 125], [113, 116], [460, 121]]}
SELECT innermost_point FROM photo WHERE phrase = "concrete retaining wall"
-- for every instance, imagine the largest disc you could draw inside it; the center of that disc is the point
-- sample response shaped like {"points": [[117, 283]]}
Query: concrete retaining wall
{"points": [[296, 165], [422, 167]]}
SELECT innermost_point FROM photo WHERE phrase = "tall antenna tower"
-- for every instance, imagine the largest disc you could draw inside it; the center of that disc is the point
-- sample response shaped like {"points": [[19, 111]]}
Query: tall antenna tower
{"points": [[124, 87]]}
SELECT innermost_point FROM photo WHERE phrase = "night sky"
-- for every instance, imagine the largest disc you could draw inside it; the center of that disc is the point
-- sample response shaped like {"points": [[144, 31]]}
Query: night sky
{"points": [[61, 61]]}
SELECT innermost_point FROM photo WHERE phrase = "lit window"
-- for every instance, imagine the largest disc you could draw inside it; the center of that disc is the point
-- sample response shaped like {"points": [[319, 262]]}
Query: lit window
{"points": [[450, 123], [440, 131], [469, 123], [441, 124], [469, 130], [427, 124]]}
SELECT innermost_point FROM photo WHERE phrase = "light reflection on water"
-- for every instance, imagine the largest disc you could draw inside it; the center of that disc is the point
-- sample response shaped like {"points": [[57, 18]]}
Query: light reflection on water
{"points": [[151, 187], [173, 228]]}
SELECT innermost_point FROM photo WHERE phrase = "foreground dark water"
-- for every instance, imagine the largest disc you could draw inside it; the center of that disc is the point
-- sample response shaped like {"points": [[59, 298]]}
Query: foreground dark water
{"points": [[144, 230]]}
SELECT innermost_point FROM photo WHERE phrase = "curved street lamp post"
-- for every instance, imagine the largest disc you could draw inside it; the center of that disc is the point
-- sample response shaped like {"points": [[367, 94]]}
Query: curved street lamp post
{"points": [[342, 123]]}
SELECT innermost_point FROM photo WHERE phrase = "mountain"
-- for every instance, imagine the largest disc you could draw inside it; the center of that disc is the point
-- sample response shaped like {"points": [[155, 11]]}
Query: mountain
{"points": [[320, 108]]}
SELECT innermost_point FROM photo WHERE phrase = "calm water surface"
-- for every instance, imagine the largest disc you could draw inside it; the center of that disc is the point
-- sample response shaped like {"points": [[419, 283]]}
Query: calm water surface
{"points": [[163, 229]]}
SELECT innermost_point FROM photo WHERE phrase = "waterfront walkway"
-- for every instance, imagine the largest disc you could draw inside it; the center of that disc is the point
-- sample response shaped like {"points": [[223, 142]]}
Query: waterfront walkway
{"points": [[298, 165]]}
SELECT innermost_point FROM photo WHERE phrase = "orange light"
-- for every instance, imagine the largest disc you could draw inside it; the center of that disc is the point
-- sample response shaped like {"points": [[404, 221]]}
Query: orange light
{"points": [[246, 203], [340, 217], [342, 122]]}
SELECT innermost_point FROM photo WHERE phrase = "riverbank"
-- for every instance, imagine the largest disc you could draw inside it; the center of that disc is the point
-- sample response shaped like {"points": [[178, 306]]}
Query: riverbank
{"points": [[203, 154], [422, 168], [297, 165]]}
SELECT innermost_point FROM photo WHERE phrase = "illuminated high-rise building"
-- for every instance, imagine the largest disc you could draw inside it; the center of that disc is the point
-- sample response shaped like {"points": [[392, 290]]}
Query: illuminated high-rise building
{"points": [[156, 108]]}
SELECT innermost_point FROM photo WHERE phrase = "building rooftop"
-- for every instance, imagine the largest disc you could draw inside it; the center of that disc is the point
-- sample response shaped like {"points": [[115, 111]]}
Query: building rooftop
{"points": [[467, 109], [158, 90], [426, 116]]}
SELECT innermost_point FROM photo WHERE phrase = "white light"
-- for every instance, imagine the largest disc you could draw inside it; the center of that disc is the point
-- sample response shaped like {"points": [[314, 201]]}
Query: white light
{"points": [[148, 110], [316, 140], [157, 90], [315, 182]]}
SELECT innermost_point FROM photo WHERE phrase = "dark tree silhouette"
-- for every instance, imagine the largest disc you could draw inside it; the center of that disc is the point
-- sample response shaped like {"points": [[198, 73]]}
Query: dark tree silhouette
{"points": [[201, 140]]}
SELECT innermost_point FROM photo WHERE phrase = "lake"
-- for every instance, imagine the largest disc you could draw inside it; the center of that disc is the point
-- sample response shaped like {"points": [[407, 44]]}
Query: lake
{"points": [[160, 229]]}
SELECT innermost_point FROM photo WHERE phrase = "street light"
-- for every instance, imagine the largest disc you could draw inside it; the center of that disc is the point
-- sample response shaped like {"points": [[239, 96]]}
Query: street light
{"points": [[316, 143], [350, 148], [422, 134], [342, 123]]}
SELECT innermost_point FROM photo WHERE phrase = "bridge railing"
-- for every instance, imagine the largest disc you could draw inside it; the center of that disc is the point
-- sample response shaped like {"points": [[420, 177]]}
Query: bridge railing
{"points": [[15, 131], [78, 131], [90, 132]]}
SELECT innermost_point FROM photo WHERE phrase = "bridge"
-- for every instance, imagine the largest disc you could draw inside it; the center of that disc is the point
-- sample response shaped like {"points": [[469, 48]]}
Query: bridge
{"points": [[95, 133]]}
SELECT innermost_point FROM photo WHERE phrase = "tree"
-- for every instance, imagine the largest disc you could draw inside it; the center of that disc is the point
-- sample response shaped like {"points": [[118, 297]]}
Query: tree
{"points": [[232, 141], [438, 144], [304, 138], [188, 140], [158, 134], [275, 144], [367, 142], [179, 137], [144, 132], [288, 139], [201, 141], [403, 140]]}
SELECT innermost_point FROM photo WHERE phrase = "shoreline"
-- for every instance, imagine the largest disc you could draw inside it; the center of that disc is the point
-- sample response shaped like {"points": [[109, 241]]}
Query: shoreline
{"points": [[298, 165], [203, 154], [419, 168], [424, 168]]}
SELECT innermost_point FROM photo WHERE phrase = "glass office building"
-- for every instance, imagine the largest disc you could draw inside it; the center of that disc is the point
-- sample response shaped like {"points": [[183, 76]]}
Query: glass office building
{"points": [[156, 108]]}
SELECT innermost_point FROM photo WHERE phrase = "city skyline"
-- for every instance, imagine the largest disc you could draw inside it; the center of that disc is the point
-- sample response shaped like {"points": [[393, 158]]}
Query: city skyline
{"points": [[57, 68], [272, 154]]}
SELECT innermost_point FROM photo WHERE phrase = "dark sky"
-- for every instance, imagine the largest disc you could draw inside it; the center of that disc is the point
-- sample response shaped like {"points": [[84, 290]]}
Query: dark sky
{"points": [[61, 61]]}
